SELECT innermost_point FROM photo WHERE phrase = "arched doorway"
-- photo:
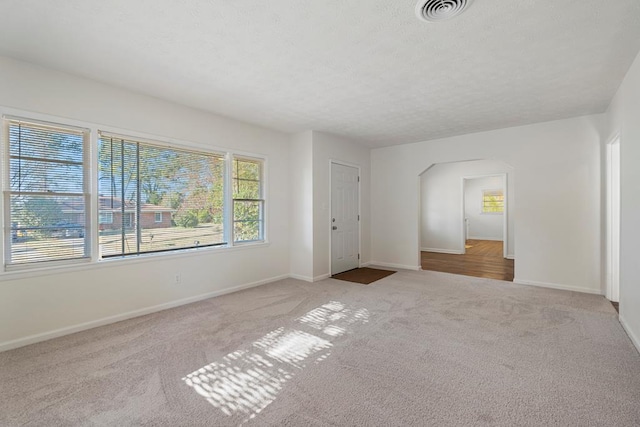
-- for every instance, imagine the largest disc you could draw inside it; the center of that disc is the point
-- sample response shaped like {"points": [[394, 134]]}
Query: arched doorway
{"points": [[466, 218]]}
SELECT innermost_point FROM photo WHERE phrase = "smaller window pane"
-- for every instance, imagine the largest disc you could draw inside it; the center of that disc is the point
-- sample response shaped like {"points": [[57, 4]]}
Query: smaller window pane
{"points": [[248, 204], [247, 231], [46, 187], [33, 140], [29, 175], [247, 169], [246, 190], [247, 220], [46, 228]]}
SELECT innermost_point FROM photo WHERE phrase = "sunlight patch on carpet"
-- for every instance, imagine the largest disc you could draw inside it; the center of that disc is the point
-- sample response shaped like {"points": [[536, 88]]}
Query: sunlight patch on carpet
{"points": [[292, 347], [246, 381]]}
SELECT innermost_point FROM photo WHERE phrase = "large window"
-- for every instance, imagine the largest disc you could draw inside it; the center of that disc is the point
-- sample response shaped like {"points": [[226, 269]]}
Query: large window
{"points": [[45, 192], [140, 184], [248, 202], [151, 196]]}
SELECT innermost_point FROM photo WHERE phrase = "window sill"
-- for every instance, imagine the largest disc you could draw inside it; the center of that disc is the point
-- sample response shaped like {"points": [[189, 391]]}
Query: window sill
{"points": [[114, 262]]}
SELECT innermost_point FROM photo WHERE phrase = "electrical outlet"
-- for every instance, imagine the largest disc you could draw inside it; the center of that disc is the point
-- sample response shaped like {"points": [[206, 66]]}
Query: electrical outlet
{"points": [[178, 279]]}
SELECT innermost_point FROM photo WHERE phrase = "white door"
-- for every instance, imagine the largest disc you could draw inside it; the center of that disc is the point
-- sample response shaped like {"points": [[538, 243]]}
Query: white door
{"points": [[345, 232]]}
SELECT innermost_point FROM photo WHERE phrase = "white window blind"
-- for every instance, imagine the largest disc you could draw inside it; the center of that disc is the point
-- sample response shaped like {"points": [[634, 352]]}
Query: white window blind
{"points": [[45, 192], [248, 201], [139, 183]]}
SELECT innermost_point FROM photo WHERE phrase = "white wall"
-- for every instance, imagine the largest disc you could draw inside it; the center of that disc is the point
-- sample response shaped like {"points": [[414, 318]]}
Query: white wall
{"points": [[301, 224], [33, 305], [441, 204], [623, 117], [327, 148], [557, 194], [311, 155], [482, 226]]}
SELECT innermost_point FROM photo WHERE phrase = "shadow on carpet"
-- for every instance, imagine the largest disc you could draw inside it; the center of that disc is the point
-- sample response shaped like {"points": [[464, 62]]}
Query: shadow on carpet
{"points": [[363, 275]]}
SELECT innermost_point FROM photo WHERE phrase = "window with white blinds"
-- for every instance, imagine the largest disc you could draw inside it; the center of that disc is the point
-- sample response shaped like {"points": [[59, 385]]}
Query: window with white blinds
{"points": [[72, 194], [46, 194], [248, 201], [154, 198]]}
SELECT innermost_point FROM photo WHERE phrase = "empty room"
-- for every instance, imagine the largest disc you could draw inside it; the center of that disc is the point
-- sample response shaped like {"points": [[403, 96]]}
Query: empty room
{"points": [[334, 213]]}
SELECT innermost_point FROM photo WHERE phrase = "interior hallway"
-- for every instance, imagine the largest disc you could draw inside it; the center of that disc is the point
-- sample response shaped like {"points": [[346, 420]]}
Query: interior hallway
{"points": [[483, 258]]}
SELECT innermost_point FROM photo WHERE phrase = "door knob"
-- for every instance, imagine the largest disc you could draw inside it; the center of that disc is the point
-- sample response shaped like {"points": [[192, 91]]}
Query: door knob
{"points": [[334, 227]]}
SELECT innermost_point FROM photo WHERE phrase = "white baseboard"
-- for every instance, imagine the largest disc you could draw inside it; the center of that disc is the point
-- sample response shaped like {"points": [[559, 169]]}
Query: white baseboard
{"points": [[309, 278], [442, 251], [633, 337], [399, 266], [493, 239], [510, 256], [32, 339], [557, 286], [300, 277], [365, 264]]}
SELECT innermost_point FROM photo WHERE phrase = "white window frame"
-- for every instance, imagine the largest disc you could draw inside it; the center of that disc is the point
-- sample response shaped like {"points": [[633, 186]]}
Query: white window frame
{"points": [[92, 198], [155, 218], [261, 200], [6, 203]]}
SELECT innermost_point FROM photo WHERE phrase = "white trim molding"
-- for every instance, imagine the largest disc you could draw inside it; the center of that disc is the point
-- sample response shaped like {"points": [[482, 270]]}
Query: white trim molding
{"points": [[301, 277], [399, 266], [634, 339], [612, 219], [557, 286], [443, 251], [56, 333], [309, 278], [493, 239], [505, 213]]}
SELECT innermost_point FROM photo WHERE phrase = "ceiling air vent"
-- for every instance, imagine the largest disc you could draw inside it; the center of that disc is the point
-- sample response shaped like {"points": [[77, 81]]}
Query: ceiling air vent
{"points": [[440, 10]]}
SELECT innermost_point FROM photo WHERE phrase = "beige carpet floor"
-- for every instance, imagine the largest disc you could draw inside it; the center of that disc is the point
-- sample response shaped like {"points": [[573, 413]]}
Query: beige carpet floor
{"points": [[415, 348]]}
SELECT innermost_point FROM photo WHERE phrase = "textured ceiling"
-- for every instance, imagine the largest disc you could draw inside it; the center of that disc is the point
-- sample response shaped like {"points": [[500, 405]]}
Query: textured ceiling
{"points": [[365, 69]]}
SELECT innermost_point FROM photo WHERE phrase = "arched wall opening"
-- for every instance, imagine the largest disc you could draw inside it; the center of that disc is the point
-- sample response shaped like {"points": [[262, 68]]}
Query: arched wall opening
{"points": [[443, 211]]}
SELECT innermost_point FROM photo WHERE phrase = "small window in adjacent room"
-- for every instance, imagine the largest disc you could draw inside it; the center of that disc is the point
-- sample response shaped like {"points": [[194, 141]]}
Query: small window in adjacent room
{"points": [[492, 201], [158, 217], [248, 202], [46, 193]]}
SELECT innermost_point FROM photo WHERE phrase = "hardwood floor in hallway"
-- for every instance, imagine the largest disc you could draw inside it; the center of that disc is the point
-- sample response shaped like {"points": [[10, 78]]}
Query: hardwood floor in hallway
{"points": [[484, 258]]}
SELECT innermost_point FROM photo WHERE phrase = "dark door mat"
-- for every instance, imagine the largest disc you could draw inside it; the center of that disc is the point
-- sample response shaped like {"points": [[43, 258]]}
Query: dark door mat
{"points": [[363, 275]]}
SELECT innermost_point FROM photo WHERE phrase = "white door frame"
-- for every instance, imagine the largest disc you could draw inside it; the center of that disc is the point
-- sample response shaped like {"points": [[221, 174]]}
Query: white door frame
{"points": [[330, 224], [505, 223], [613, 219]]}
